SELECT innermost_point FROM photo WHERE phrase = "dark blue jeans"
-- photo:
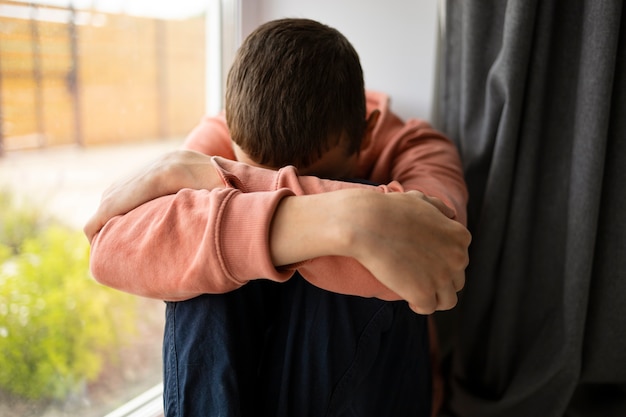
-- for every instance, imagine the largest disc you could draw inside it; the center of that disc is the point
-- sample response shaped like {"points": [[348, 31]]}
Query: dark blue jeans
{"points": [[293, 350]]}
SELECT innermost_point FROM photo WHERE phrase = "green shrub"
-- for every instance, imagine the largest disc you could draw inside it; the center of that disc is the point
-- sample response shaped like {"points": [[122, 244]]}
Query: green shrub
{"points": [[57, 325], [19, 222]]}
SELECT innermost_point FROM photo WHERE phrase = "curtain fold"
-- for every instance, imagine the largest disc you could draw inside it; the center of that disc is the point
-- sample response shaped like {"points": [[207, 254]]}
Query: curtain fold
{"points": [[534, 94]]}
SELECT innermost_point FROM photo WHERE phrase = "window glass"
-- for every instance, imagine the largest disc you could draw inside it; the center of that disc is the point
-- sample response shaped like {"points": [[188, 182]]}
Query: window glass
{"points": [[89, 90]]}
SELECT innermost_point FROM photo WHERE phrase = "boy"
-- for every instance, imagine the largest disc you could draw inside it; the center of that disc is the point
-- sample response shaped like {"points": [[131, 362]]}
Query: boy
{"points": [[295, 96]]}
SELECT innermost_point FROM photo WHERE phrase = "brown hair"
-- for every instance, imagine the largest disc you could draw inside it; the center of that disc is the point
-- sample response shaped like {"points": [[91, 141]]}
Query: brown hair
{"points": [[295, 88]]}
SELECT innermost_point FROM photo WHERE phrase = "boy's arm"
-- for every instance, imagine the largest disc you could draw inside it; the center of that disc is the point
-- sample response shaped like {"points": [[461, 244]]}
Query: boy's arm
{"points": [[188, 168], [150, 278], [179, 242], [175, 247]]}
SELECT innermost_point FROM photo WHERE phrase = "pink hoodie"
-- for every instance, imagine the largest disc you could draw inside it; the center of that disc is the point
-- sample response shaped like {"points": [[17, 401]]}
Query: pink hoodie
{"points": [[214, 241]]}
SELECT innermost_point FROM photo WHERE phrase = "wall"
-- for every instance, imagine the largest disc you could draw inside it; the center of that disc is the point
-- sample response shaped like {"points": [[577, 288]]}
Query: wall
{"points": [[396, 40]]}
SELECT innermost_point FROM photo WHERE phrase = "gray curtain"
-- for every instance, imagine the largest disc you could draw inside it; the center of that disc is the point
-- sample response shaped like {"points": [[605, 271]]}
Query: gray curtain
{"points": [[534, 94]]}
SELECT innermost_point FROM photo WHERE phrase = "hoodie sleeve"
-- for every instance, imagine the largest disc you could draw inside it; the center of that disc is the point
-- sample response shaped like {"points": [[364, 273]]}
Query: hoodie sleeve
{"points": [[179, 246]]}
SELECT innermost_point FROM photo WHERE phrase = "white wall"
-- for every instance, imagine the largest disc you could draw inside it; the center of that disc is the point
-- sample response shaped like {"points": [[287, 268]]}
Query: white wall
{"points": [[395, 39]]}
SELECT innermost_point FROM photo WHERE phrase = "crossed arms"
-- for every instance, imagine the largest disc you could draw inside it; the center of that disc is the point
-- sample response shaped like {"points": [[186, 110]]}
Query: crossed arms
{"points": [[185, 240]]}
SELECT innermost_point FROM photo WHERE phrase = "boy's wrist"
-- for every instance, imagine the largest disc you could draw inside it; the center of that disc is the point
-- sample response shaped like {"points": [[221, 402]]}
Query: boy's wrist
{"points": [[347, 223], [310, 226]]}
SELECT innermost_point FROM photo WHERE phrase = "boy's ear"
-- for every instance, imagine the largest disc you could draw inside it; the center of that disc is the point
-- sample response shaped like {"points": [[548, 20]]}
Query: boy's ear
{"points": [[371, 122]]}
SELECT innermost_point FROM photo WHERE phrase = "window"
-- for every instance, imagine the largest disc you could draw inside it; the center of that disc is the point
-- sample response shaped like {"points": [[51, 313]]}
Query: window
{"points": [[88, 90]]}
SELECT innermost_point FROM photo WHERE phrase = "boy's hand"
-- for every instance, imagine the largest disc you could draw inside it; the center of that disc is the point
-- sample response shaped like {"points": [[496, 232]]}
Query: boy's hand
{"points": [[420, 253], [167, 175]]}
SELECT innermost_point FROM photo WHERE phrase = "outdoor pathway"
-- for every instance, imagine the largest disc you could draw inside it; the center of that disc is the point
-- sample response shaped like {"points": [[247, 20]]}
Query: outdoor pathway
{"points": [[68, 181]]}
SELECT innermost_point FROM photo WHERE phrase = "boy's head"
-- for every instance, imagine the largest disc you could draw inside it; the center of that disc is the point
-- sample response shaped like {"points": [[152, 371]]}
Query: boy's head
{"points": [[295, 93]]}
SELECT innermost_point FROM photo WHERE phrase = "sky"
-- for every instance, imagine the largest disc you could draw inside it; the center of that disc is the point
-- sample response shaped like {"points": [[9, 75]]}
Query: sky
{"points": [[177, 9]]}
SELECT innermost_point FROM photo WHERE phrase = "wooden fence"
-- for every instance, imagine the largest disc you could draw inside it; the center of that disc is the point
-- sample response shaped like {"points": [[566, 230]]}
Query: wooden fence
{"points": [[84, 77]]}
